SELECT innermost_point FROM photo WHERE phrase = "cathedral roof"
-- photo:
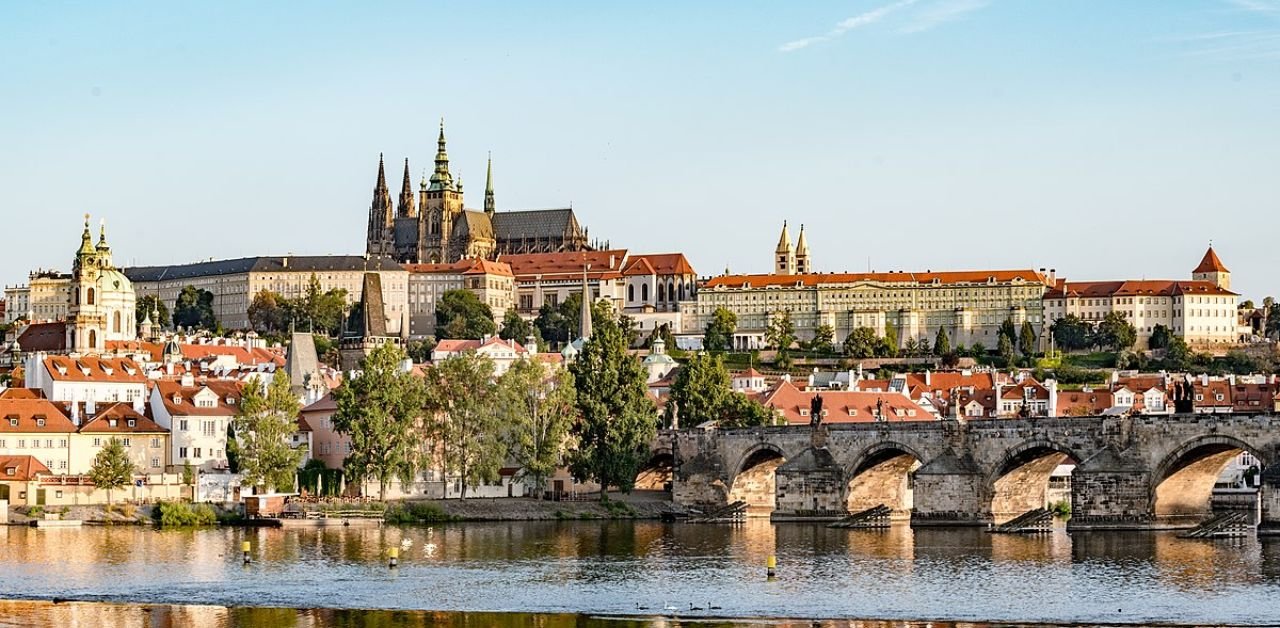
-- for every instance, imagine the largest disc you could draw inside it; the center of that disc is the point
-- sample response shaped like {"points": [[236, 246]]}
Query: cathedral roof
{"points": [[535, 223], [474, 225]]}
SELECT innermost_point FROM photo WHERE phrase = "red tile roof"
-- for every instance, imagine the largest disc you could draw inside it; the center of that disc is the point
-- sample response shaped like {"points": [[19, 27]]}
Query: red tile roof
{"points": [[25, 415], [1148, 287], [186, 407], [843, 406], [1079, 403], [464, 267], [1210, 263], [663, 264], [44, 337], [21, 393], [115, 418], [603, 264], [21, 468], [94, 369], [814, 279]]}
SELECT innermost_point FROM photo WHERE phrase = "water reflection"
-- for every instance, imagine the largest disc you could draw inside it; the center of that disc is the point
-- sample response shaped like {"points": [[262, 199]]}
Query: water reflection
{"points": [[620, 568]]}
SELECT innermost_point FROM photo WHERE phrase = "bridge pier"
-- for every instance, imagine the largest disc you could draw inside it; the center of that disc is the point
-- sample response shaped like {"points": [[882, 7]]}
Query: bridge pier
{"points": [[810, 486], [1111, 491], [951, 490], [1269, 495]]}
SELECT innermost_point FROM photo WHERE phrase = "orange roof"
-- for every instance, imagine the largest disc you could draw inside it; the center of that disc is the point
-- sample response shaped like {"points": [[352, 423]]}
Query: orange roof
{"points": [[184, 406], [662, 264], [602, 264], [843, 406], [44, 337], [323, 404], [814, 279], [21, 468], [464, 266], [639, 266], [26, 415], [1079, 403], [1146, 287], [1210, 263], [116, 418], [21, 393], [486, 267], [943, 382], [94, 369], [1017, 390]]}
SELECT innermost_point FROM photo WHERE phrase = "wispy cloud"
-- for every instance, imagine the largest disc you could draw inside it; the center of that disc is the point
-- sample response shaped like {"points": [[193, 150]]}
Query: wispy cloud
{"points": [[1238, 45], [1257, 6], [846, 25], [941, 13]]}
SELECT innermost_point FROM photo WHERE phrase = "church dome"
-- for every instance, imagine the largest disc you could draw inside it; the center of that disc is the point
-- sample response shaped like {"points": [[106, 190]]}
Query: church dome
{"points": [[172, 350]]}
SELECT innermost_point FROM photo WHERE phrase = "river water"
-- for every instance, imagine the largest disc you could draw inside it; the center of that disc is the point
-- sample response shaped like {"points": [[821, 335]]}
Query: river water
{"points": [[645, 569]]}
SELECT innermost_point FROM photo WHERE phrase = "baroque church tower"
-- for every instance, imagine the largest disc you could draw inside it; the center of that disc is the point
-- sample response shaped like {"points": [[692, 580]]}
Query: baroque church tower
{"points": [[102, 298]]}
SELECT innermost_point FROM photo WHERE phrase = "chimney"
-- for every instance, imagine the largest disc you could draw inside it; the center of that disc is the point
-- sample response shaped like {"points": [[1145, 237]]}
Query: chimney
{"points": [[187, 380], [75, 411], [928, 377], [1204, 379], [531, 344], [138, 405], [284, 262]]}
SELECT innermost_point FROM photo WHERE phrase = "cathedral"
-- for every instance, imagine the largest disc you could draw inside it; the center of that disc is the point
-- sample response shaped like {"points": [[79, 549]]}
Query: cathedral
{"points": [[435, 227]]}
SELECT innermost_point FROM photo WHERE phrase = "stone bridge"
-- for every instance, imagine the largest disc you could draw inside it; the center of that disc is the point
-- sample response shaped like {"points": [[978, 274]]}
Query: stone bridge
{"points": [[1138, 472]]}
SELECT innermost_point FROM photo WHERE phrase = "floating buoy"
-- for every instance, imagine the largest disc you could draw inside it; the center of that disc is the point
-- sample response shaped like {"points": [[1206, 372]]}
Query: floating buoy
{"points": [[394, 554], [244, 548], [771, 566]]}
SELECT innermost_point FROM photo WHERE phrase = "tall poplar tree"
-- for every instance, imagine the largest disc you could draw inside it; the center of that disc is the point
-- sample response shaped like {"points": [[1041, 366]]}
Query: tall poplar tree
{"points": [[538, 409], [616, 419], [380, 409], [463, 395], [264, 422]]}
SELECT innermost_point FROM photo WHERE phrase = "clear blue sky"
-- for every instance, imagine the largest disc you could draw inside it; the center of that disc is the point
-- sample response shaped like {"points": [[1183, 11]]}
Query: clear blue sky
{"points": [[1105, 139]]}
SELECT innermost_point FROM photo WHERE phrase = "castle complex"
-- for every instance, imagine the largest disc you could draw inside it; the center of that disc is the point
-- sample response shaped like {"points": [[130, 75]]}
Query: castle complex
{"points": [[435, 227]]}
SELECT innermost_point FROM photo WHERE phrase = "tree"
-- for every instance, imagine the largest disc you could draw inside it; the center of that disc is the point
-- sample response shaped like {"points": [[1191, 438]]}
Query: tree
{"points": [[942, 342], [923, 346], [1160, 337], [1005, 349], [1247, 304], [739, 410], [889, 344], [912, 348], [463, 394], [152, 306], [1071, 333], [194, 308], [514, 327], [862, 343], [780, 335], [719, 333], [1027, 339], [420, 350], [380, 410], [616, 418], [538, 410], [233, 448], [824, 338], [700, 389], [321, 311], [267, 312], [264, 422], [1272, 327], [112, 468], [1115, 332], [461, 314], [1177, 355], [551, 325], [1007, 328]]}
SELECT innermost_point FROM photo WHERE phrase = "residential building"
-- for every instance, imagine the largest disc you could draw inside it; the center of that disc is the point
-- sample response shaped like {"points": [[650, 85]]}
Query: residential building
{"points": [[439, 229], [20, 479], [37, 428], [1027, 397], [1201, 311], [492, 282], [197, 416], [235, 282], [86, 378], [750, 381], [503, 353], [327, 445], [145, 441], [551, 278], [842, 406]]}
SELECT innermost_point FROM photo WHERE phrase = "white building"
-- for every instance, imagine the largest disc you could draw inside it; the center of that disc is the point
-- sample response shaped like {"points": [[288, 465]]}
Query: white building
{"points": [[86, 378], [197, 416]]}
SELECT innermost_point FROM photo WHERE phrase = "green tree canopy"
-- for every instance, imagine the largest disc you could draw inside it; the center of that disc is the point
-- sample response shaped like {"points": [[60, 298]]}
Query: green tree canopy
{"points": [[862, 343], [700, 389], [780, 335], [616, 420], [889, 344], [739, 410], [1027, 339], [464, 396], [515, 328], [942, 342], [264, 422], [380, 409], [1005, 348], [461, 314], [112, 468], [824, 338], [149, 305], [719, 333], [538, 409], [268, 313], [420, 350], [1177, 355], [1160, 337], [1071, 333], [1115, 332], [194, 308]]}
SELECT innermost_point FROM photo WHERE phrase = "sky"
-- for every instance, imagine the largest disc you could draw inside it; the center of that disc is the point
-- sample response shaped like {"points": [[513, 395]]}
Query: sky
{"points": [[1104, 139]]}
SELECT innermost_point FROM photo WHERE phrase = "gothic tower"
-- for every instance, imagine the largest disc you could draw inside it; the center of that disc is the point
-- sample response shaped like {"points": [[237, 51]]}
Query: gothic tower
{"points": [[380, 241], [490, 206], [440, 204], [803, 266], [406, 208], [784, 257]]}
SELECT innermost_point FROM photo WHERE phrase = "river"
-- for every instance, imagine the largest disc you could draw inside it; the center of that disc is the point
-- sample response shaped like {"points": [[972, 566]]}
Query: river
{"points": [[591, 568]]}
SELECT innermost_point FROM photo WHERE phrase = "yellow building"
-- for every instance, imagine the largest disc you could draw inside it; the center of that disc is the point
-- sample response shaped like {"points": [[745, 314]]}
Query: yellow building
{"points": [[146, 442]]}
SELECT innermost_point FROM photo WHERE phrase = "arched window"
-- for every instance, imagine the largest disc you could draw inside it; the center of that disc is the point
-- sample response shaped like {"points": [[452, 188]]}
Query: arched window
{"points": [[662, 295], [644, 292], [671, 291], [88, 299], [681, 292], [115, 323], [631, 293], [93, 338]]}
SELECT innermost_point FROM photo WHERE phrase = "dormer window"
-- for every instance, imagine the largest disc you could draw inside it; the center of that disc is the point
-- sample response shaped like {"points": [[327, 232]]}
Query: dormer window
{"points": [[111, 422], [11, 471], [108, 370], [131, 423], [40, 422], [177, 399], [804, 412], [13, 420]]}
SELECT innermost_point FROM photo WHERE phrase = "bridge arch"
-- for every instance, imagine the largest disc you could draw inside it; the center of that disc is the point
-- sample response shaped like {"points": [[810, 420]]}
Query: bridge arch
{"points": [[656, 474], [1021, 480], [1182, 482], [882, 474], [754, 479]]}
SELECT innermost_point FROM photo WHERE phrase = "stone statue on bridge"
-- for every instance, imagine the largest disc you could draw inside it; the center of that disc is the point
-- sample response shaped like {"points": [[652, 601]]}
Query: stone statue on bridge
{"points": [[815, 411]]}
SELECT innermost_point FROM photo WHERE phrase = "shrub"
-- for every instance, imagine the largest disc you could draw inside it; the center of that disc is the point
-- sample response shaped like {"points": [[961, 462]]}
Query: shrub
{"points": [[619, 510], [184, 515], [1061, 508], [416, 512], [35, 511]]}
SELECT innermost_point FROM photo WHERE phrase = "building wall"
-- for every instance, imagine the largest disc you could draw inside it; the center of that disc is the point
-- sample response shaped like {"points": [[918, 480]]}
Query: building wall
{"points": [[46, 297], [51, 448], [148, 451]]}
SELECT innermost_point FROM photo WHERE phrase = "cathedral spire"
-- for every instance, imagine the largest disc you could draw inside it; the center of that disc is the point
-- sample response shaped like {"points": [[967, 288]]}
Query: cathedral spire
{"points": [[378, 241], [381, 185], [441, 179], [406, 194], [490, 206]]}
